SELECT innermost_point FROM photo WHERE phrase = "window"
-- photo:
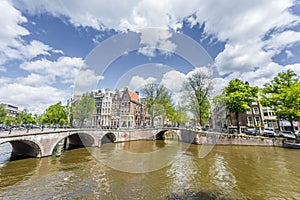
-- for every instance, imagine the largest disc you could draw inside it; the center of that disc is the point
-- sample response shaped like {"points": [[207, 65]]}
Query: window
{"points": [[257, 120], [255, 110], [250, 121]]}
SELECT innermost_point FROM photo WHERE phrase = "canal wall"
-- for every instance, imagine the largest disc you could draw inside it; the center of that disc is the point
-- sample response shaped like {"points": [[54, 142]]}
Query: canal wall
{"points": [[234, 139]]}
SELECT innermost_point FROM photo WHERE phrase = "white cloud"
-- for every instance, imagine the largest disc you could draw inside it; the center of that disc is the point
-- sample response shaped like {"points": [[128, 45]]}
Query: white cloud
{"points": [[12, 46], [64, 69], [289, 54], [282, 40], [174, 81], [35, 99], [202, 70], [138, 82], [86, 81], [34, 80], [243, 25], [294, 67]]}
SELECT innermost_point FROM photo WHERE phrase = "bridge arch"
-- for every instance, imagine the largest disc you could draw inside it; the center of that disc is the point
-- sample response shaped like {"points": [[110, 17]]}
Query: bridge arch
{"points": [[108, 138], [76, 139], [26, 148], [160, 134]]}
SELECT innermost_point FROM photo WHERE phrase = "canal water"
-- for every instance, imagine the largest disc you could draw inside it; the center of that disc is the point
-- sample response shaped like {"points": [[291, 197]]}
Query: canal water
{"points": [[227, 172]]}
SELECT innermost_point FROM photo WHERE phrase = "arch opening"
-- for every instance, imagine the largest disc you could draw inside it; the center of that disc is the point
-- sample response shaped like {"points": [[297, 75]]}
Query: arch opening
{"points": [[74, 141], [19, 149], [108, 138], [167, 135]]}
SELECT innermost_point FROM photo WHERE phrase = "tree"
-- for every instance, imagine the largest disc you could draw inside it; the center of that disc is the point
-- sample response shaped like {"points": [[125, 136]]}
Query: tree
{"points": [[3, 112], [84, 109], [158, 100], [283, 95], [24, 117], [178, 116], [9, 120], [238, 97], [55, 114], [199, 87]]}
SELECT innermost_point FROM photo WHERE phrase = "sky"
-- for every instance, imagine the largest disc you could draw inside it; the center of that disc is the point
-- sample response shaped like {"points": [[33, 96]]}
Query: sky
{"points": [[52, 49]]}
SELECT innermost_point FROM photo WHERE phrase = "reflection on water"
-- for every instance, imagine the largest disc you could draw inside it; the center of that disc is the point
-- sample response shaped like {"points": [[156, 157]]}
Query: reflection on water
{"points": [[228, 172]]}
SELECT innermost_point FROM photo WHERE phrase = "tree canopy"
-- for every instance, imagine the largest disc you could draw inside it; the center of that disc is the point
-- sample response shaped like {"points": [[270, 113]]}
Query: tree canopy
{"points": [[24, 117], [84, 109], [283, 95], [199, 87], [238, 98], [158, 101], [55, 114], [3, 112]]}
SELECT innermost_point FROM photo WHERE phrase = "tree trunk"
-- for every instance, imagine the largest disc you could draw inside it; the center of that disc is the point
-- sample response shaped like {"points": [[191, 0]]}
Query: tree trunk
{"points": [[237, 123]]}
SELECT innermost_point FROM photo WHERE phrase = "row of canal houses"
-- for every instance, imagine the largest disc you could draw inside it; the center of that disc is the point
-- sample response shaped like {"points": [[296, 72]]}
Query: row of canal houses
{"points": [[258, 117], [119, 109]]}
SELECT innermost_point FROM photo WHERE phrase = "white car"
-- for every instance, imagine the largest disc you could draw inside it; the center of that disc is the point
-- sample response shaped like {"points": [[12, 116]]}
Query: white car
{"points": [[287, 135], [269, 132]]}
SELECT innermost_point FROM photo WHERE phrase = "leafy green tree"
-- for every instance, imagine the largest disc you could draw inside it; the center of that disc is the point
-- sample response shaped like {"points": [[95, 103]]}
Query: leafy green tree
{"points": [[9, 120], [199, 87], [283, 95], [238, 97], [24, 117], [3, 112], [55, 114], [178, 116], [158, 101], [84, 109]]}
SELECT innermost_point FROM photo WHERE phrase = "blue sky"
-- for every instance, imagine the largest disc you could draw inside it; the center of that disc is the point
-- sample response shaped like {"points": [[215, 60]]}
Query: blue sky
{"points": [[51, 49]]}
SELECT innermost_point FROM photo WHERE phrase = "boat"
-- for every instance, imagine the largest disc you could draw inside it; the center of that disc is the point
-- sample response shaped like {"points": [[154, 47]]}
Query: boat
{"points": [[291, 144]]}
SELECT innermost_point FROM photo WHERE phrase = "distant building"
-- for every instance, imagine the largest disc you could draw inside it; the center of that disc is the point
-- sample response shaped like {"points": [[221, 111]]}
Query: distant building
{"points": [[128, 107], [270, 119], [98, 97], [106, 112], [11, 110], [115, 109]]}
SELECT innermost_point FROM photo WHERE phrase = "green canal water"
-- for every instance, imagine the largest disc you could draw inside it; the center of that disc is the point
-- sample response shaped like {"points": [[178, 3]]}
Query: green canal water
{"points": [[227, 172]]}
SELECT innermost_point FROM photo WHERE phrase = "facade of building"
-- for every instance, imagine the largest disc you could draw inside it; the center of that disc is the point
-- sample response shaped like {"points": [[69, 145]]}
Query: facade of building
{"points": [[270, 119], [128, 108], [106, 109], [11, 110], [98, 97], [115, 109]]}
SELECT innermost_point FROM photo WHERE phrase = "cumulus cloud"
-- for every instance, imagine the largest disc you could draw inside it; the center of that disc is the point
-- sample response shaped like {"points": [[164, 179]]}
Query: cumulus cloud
{"points": [[35, 99], [12, 46], [254, 30], [86, 81], [174, 81], [138, 82], [64, 69]]}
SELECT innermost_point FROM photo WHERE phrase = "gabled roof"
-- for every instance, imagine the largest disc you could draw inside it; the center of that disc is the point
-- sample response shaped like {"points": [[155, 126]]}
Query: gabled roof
{"points": [[133, 96]]}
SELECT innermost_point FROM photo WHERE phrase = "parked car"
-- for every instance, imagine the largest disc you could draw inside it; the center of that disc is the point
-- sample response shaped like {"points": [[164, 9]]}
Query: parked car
{"points": [[269, 132], [287, 135], [251, 131]]}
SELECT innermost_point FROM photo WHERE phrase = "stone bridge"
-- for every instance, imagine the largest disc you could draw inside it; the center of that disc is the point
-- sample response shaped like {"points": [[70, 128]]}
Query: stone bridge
{"points": [[41, 144]]}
